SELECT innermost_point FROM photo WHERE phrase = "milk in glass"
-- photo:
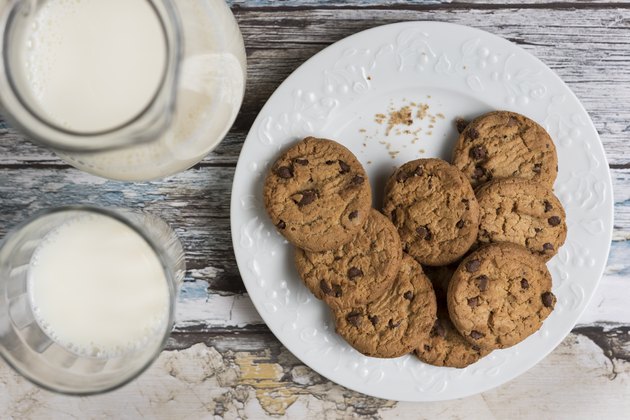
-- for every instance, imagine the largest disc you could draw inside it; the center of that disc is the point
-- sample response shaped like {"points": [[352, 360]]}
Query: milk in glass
{"points": [[92, 67], [97, 288]]}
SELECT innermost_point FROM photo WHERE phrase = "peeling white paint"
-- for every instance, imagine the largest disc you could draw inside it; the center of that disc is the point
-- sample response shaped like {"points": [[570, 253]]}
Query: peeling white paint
{"points": [[217, 311]]}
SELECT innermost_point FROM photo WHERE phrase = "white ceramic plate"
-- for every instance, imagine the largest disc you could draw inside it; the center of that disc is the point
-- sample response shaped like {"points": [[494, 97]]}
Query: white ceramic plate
{"points": [[457, 71]]}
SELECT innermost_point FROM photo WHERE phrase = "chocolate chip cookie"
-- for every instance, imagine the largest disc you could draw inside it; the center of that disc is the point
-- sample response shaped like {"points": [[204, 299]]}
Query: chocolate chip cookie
{"points": [[395, 323], [500, 295], [445, 346], [317, 194], [522, 212], [435, 210], [357, 272], [504, 144]]}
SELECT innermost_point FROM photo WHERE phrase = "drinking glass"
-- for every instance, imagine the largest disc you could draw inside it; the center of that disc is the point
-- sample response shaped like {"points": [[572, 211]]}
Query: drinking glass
{"points": [[194, 106], [31, 351]]}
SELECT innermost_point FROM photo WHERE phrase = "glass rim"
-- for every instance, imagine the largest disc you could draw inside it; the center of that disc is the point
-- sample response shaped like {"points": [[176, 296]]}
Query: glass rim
{"points": [[170, 279]]}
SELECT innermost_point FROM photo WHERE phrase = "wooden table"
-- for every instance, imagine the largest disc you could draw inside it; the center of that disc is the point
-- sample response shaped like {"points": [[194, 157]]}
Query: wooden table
{"points": [[221, 359]]}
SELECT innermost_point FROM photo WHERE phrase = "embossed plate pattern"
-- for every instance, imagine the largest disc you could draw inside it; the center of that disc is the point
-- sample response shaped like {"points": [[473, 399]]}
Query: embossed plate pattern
{"points": [[456, 71]]}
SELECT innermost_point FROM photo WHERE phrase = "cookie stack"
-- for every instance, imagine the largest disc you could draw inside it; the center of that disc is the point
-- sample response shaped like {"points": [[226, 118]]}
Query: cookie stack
{"points": [[454, 267], [348, 254]]}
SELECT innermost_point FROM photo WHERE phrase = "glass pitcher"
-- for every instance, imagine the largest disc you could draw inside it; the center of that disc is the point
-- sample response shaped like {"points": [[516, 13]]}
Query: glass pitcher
{"points": [[131, 90]]}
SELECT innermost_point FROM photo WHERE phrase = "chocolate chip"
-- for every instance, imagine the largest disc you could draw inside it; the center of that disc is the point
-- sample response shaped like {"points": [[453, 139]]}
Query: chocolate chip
{"points": [[547, 299], [478, 152], [354, 273], [478, 173], [460, 124], [472, 302], [476, 335], [281, 225], [473, 266], [325, 288], [524, 284], [537, 167], [419, 171], [408, 295], [373, 319], [401, 176], [427, 347], [547, 247], [482, 283], [285, 172], [437, 329], [302, 162], [466, 203], [345, 168], [357, 180], [353, 215], [548, 206], [306, 197], [476, 348], [512, 122], [554, 221], [337, 290], [354, 318], [330, 162], [459, 224], [472, 134], [424, 233], [393, 324]]}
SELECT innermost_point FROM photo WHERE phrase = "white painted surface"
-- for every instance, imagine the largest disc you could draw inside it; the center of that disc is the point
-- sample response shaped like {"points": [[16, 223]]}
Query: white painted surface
{"points": [[97, 288]]}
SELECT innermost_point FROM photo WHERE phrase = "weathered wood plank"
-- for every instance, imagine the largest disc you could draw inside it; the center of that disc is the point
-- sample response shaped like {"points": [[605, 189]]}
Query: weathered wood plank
{"points": [[590, 51], [270, 4], [196, 204], [253, 376]]}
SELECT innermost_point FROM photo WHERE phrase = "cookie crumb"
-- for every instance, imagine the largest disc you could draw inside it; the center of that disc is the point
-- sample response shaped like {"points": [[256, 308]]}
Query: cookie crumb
{"points": [[422, 111], [400, 116]]}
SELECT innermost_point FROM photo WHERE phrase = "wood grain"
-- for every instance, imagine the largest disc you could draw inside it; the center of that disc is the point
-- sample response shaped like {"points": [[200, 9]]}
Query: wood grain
{"points": [[589, 51], [195, 202], [419, 4]]}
